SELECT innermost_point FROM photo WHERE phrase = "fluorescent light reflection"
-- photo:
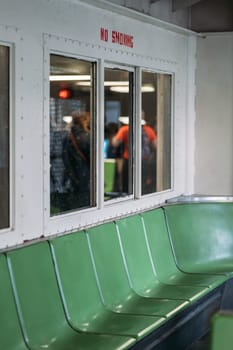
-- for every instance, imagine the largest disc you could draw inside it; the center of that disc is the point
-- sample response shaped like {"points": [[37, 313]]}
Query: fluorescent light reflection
{"points": [[116, 83], [106, 83], [67, 119], [125, 120], [69, 77], [115, 86], [125, 89]]}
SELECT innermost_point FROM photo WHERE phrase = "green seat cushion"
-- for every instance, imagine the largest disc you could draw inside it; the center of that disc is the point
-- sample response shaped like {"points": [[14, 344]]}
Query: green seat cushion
{"points": [[114, 281], [40, 307], [142, 271], [81, 296], [162, 254], [202, 236], [11, 337]]}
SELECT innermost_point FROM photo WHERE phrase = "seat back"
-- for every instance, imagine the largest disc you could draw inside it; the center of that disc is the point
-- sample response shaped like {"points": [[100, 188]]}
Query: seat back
{"points": [[37, 294], [158, 241], [76, 277], [11, 337], [202, 236], [136, 252], [105, 247]]}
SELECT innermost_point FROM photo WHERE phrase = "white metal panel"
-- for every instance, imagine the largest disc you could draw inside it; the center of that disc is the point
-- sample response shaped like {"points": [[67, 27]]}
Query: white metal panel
{"points": [[214, 115], [190, 116], [73, 28]]}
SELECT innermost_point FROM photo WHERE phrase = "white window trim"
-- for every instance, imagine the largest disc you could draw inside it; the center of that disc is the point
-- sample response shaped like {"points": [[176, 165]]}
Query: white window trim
{"points": [[12, 39], [53, 223], [10, 46], [103, 211], [131, 69]]}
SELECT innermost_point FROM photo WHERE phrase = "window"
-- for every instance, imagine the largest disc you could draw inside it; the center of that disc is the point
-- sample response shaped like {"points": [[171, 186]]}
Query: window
{"points": [[155, 132], [129, 143], [72, 141], [118, 138], [4, 139]]}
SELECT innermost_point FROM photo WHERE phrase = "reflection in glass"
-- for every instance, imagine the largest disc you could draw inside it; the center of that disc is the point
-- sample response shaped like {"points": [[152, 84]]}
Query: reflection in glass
{"points": [[71, 134], [156, 132], [118, 175], [4, 137]]}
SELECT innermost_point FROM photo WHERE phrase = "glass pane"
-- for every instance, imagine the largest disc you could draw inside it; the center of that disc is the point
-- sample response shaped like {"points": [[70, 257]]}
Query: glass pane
{"points": [[118, 155], [71, 134], [4, 137], [156, 132]]}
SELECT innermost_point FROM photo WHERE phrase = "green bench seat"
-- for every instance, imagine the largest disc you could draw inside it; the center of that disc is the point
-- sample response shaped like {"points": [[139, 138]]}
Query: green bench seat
{"points": [[125, 284], [162, 253], [40, 308], [114, 283], [142, 272], [81, 297], [11, 337], [202, 236]]}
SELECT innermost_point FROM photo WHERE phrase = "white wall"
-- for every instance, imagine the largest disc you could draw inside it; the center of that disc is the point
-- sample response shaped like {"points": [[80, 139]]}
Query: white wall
{"points": [[214, 115], [72, 27]]}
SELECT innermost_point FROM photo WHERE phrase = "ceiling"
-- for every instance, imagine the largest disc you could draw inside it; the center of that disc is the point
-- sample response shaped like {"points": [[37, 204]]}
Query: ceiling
{"points": [[209, 15], [197, 15]]}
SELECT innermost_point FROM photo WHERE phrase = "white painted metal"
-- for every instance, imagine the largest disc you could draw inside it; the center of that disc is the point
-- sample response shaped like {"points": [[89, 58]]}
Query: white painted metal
{"points": [[190, 115], [37, 28], [214, 115], [138, 134], [200, 199], [100, 135]]}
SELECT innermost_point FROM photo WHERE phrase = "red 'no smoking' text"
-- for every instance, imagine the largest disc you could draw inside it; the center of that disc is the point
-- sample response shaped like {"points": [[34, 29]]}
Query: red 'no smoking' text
{"points": [[116, 37]]}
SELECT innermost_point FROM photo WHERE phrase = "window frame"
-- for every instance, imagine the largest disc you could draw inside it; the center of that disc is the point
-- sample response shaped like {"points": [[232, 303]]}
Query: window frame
{"points": [[68, 219], [11, 145], [130, 69], [104, 210], [93, 148], [172, 149]]}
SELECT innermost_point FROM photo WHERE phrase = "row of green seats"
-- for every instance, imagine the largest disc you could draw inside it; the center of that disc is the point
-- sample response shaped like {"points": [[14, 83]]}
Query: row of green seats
{"points": [[41, 311], [201, 235], [104, 288]]}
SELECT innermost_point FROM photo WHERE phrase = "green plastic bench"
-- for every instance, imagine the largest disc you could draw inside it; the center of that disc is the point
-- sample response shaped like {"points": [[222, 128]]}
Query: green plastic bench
{"points": [[81, 297], [114, 283], [222, 331], [40, 308], [142, 272], [202, 236], [162, 254], [118, 285], [11, 337]]}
